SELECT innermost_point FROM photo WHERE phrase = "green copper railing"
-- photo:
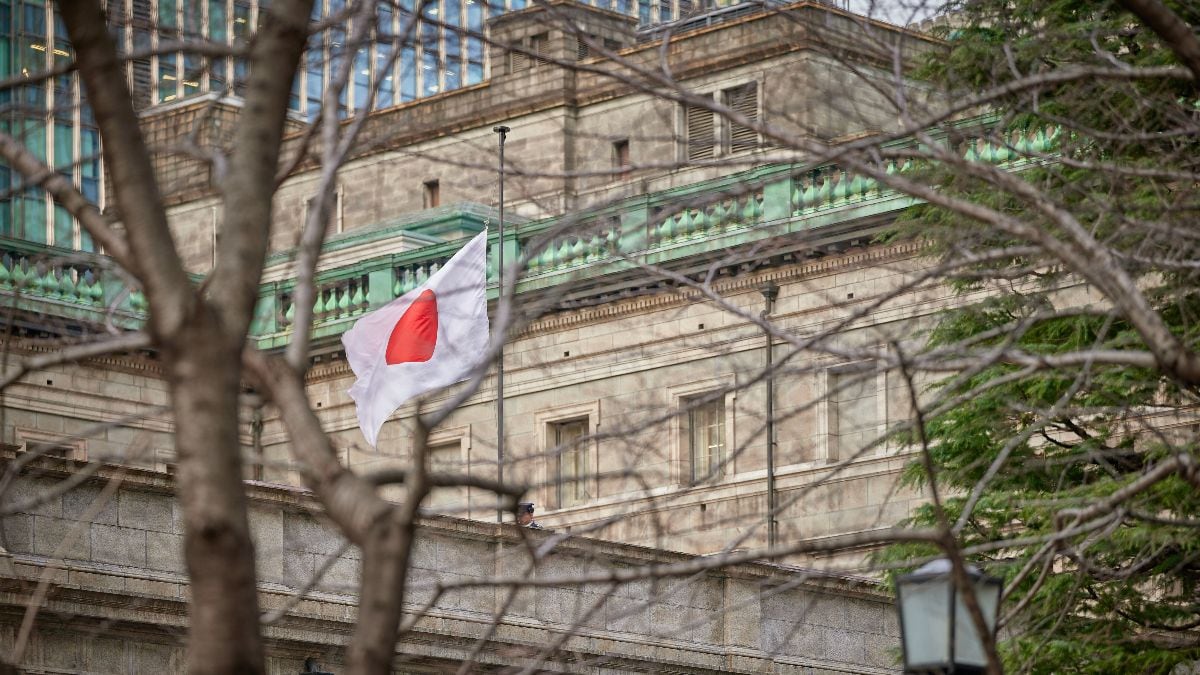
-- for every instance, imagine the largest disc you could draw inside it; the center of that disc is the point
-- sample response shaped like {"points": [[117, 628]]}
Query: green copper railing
{"points": [[657, 229], [66, 285]]}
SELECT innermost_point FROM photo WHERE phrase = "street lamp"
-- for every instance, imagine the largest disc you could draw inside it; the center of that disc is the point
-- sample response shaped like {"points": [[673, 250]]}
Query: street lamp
{"points": [[936, 630]]}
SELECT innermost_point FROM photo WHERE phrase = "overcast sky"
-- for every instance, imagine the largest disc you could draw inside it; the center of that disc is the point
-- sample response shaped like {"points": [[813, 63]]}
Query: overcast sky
{"points": [[901, 12]]}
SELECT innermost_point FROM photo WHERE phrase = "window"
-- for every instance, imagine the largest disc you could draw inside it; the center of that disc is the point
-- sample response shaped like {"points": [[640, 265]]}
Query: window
{"points": [[744, 101], [568, 461], [540, 46], [620, 157], [706, 437], [335, 224], [571, 481], [854, 413], [517, 61], [701, 124], [447, 458], [433, 194], [699, 131], [533, 50]]}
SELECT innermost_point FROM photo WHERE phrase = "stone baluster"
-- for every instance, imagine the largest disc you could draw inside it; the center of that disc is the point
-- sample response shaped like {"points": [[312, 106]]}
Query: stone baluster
{"points": [[546, 257], [699, 224], [319, 304], [287, 314], [666, 230], [578, 252], [66, 286], [343, 298], [358, 301], [971, 154]]}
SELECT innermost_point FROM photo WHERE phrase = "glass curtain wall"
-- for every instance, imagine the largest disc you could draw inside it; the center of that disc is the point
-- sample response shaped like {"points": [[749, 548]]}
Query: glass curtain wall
{"points": [[441, 50], [439, 45], [49, 118]]}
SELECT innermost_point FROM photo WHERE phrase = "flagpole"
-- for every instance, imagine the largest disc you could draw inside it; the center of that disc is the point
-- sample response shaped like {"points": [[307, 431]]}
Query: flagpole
{"points": [[503, 131]]}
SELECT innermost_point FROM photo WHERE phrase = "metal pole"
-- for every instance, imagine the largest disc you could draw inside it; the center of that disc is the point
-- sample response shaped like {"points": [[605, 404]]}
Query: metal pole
{"points": [[770, 292], [503, 131]]}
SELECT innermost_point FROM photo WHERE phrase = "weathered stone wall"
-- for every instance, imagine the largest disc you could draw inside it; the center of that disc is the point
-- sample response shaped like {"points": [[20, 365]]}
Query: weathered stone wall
{"points": [[627, 366], [110, 551]]}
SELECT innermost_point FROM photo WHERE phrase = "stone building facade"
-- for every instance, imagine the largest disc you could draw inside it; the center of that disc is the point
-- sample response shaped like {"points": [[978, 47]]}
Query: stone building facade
{"points": [[635, 407]]}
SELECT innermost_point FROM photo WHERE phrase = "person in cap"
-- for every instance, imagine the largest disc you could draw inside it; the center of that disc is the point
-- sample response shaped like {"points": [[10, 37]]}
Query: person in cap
{"points": [[525, 516]]}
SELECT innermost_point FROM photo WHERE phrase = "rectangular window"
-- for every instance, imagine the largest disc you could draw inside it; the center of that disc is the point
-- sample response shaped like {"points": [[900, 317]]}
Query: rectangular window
{"points": [[193, 19], [167, 14], [620, 157], [744, 101], [142, 74], [432, 194], [168, 80], [539, 45], [361, 78], [571, 481], [706, 437], [385, 96], [314, 82], [854, 413], [447, 458], [517, 62], [335, 225], [699, 132], [193, 73], [408, 74]]}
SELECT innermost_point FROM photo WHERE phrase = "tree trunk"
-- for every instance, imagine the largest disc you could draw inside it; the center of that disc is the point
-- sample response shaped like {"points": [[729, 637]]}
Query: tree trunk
{"points": [[204, 372]]}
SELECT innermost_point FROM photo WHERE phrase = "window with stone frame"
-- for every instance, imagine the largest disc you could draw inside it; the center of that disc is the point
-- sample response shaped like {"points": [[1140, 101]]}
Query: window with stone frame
{"points": [[572, 475], [699, 131], [707, 135], [620, 158], [336, 224], [853, 412], [539, 46], [742, 99], [706, 436], [431, 194], [447, 458]]}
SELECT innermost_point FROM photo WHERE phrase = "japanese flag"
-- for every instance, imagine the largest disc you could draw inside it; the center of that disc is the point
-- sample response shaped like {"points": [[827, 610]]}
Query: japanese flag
{"points": [[429, 338]]}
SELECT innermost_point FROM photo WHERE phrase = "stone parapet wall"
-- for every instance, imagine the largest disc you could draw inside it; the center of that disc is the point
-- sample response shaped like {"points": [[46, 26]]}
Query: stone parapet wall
{"points": [[116, 593]]}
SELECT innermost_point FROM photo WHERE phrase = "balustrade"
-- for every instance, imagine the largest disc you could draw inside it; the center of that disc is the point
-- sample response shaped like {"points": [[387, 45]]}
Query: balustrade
{"points": [[698, 222], [335, 299], [73, 282], [659, 232], [574, 249]]}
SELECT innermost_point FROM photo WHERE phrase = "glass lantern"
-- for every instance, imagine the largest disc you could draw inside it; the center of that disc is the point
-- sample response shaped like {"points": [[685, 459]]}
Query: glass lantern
{"points": [[936, 630]]}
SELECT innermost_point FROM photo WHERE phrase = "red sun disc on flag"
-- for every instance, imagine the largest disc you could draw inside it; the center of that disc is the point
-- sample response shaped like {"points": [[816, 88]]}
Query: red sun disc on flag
{"points": [[415, 334]]}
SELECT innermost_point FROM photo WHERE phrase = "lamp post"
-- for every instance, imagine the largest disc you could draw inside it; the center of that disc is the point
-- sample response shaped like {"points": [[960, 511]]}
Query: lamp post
{"points": [[936, 630], [770, 293]]}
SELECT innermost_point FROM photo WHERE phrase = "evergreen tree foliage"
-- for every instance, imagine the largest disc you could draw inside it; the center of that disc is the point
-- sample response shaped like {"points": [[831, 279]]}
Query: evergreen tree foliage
{"points": [[1118, 592]]}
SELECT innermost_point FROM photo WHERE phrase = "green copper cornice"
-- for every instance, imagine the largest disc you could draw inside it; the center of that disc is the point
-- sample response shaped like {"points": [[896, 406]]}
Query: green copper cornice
{"points": [[589, 252]]}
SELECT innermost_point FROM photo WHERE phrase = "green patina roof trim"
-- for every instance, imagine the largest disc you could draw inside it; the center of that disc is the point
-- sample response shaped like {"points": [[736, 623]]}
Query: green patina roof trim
{"points": [[595, 244]]}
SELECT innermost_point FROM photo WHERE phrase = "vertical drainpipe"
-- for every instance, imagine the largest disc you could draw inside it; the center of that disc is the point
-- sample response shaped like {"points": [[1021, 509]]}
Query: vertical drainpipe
{"points": [[770, 292]]}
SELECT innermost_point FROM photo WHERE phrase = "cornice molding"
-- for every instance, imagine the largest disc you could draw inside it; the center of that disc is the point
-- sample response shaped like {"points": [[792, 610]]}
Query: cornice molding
{"points": [[337, 367]]}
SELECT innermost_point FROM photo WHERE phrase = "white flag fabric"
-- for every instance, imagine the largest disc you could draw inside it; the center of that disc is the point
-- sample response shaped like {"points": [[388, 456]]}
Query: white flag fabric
{"points": [[427, 339]]}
